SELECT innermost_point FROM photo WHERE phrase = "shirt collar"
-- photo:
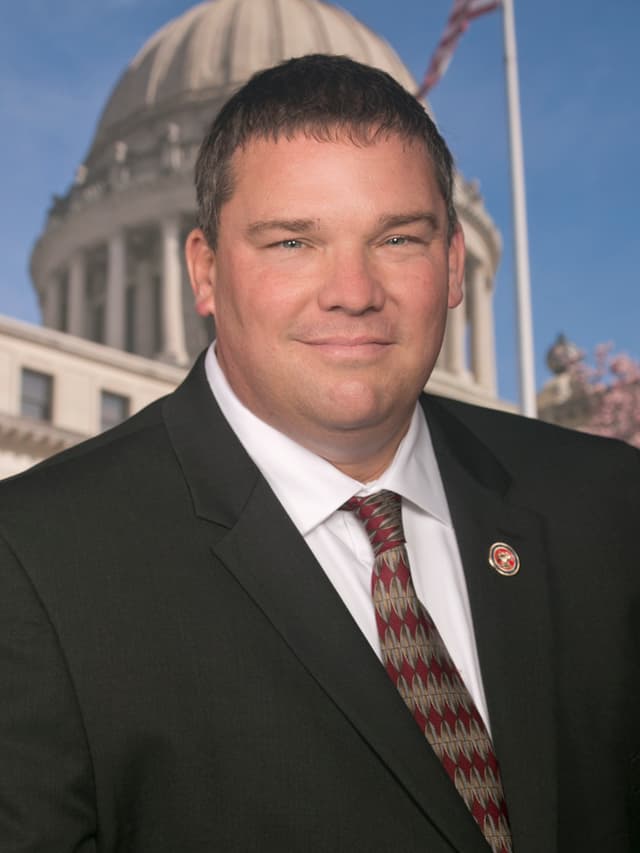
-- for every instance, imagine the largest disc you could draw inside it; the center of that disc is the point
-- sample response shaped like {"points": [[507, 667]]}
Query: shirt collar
{"points": [[289, 468]]}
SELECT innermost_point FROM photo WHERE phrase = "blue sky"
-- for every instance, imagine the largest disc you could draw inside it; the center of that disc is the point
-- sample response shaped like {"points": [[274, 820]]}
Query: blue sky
{"points": [[579, 67]]}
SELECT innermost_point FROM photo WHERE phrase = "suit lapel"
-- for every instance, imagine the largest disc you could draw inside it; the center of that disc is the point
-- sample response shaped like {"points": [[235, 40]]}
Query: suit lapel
{"points": [[266, 555], [512, 624]]}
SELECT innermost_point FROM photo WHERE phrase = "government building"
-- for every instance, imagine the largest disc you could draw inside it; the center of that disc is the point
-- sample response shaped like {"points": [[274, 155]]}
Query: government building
{"points": [[118, 326]]}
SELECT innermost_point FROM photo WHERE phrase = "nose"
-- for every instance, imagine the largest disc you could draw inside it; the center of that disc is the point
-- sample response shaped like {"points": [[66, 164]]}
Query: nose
{"points": [[352, 284]]}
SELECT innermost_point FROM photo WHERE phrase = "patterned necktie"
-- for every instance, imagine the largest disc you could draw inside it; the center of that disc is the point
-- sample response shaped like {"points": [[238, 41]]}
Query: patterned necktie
{"points": [[419, 664]]}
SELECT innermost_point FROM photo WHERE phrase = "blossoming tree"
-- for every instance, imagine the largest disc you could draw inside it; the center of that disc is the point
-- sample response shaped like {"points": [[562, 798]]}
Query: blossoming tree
{"points": [[612, 386]]}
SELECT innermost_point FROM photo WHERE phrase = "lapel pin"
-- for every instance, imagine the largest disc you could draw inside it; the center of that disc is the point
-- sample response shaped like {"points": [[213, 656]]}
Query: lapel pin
{"points": [[504, 559]]}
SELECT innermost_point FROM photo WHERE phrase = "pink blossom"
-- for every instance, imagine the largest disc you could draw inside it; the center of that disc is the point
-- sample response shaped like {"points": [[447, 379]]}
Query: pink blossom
{"points": [[613, 388]]}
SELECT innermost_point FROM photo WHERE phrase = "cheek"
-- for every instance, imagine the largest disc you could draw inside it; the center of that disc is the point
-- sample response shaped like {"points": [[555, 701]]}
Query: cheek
{"points": [[234, 295], [425, 304], [256, 317], [276, 304], [425, 333]]}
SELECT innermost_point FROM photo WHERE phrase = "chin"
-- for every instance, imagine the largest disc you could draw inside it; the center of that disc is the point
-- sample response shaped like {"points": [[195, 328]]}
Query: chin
{"points": [[352, 418], [354, 395]]}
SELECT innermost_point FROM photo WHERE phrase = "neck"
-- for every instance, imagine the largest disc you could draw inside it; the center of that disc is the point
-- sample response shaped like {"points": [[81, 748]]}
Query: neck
{"points": [[360, 456], [363, 453], [366, 470]]}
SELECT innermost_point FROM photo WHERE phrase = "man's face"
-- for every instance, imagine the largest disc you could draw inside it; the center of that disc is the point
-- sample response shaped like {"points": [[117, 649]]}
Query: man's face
{"points": [[330, 285]]}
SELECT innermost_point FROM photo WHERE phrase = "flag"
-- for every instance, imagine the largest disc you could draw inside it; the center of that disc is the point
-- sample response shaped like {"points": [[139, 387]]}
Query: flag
{"points": [[463, 12]]}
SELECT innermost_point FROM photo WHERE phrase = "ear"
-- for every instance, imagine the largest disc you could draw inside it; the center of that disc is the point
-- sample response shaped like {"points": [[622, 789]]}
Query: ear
{"points": [[201, 264], [456, 267]]}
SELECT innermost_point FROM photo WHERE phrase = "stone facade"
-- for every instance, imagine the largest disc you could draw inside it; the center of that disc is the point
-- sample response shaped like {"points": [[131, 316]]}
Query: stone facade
{"points": [[82, 385]]}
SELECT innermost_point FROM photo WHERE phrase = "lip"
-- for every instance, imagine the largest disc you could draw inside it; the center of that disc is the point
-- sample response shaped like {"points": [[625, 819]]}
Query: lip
{"points": [[358, 348], [346, 342]]}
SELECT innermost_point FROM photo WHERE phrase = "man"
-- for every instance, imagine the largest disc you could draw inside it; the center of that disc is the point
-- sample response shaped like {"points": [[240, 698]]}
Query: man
{"points": [[213, 634]]}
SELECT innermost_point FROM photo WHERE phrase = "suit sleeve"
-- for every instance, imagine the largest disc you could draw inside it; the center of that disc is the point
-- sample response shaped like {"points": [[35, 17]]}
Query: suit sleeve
{"points": [[47, 802]]}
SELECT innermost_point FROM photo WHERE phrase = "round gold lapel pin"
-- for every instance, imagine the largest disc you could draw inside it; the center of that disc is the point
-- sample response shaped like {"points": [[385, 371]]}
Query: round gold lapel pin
{"points": [[504, 559]]}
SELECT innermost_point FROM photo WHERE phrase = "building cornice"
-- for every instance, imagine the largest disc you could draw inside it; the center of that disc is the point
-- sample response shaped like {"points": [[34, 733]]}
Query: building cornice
{"points": [[89, 351], [36, 439], [138, 202]]}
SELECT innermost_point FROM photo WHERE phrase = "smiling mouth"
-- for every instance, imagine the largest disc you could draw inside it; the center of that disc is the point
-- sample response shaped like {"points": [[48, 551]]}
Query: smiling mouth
{"points": [[357, 347]]}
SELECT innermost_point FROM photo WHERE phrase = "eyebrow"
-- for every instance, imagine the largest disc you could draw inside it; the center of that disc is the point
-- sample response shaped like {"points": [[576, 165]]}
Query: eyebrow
{"points": [[304, 226], [295, 226], [397, 220]]}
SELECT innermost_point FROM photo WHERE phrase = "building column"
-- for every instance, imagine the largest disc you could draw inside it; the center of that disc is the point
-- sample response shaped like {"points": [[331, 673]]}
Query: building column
{"points": [[77, 292], [51, 302], [173, 345], [115, 292], [145, 318], [482, 332], [455, 357]]}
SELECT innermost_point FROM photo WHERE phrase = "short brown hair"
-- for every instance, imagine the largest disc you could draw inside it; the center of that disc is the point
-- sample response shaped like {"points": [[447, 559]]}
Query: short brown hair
{"points": [[324, 97]]}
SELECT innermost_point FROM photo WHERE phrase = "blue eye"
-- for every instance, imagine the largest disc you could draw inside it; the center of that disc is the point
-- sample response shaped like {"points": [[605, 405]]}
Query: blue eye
{"points": [[397, 241], [290, 244]]}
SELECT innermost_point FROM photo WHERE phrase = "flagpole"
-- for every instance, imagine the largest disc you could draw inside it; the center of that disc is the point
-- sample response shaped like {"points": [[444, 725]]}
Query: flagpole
{"points": [[521, 240]]}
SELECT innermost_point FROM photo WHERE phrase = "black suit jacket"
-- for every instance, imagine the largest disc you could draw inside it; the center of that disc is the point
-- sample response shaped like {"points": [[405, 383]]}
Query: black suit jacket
{"points": [[179, 676]]}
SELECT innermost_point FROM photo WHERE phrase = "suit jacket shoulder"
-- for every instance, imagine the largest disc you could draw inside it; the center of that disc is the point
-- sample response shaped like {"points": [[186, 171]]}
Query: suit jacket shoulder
{"points": [[533, 451]]}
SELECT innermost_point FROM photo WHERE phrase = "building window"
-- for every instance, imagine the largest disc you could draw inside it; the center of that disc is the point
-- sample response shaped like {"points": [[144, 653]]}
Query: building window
{"points": [[114, 408], [37, 395]]}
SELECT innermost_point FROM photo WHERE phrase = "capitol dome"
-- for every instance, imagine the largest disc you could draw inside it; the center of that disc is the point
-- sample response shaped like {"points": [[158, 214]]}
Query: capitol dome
{"points": [[109, 265], [213, 48]]}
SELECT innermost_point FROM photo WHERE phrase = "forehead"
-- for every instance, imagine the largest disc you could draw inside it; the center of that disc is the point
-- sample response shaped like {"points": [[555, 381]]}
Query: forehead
{"points": [[301, 156]]}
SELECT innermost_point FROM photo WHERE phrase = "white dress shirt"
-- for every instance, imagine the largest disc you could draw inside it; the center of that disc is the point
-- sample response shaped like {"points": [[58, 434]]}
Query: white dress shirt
{"points": [[312, 490]]}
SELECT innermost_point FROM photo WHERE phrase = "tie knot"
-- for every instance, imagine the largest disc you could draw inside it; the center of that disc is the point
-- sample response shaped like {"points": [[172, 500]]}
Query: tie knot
{"points": [[381, 514]]}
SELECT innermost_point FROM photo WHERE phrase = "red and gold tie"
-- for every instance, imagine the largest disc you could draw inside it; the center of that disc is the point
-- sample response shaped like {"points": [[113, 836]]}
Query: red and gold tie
{"points": [[420, 666]]}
